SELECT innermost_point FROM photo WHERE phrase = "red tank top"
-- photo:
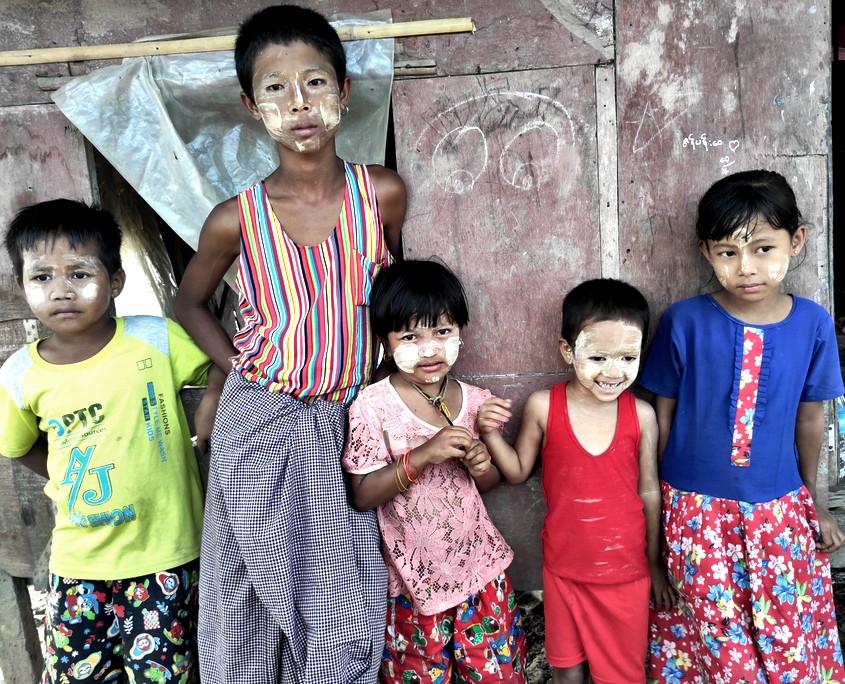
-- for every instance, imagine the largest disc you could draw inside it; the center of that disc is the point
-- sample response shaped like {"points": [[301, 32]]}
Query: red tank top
{"points": [[594, 530]]}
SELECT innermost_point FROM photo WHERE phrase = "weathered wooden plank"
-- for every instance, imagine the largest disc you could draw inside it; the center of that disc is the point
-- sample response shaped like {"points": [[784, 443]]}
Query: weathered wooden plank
{"points": [[502, 185], [701, 94], [503, 188], [20, 654], [607, 160], [524, 34]]}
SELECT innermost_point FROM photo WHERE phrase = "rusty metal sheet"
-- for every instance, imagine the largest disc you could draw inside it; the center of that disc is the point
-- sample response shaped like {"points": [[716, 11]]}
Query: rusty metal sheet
{"points": [[703, 94], [524, 34], [502, 185]]}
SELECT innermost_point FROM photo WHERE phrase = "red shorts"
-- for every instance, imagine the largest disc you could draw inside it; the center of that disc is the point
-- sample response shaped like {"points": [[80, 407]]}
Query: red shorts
{"points": [[478, 641], [604, 624]]}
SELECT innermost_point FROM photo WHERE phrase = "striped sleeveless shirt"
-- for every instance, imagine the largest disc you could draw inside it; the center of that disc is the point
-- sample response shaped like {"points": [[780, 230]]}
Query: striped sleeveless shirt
{"points": [[305, 308]]}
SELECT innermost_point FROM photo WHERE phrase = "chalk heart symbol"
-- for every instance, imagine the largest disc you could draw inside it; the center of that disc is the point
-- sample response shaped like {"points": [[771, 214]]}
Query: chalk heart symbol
{"points": [[733, 145]]}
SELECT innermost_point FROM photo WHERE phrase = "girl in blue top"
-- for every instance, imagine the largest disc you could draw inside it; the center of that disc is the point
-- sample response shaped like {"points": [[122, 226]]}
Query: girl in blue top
{"points": [[740, 377]]}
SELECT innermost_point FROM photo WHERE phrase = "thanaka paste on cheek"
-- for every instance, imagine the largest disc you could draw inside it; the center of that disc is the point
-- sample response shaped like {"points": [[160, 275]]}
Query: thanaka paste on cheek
{"points": [[777, 272], [722, 274], [330, 112], [453, 347], [35, 297], [90, 292], [406, 356]]}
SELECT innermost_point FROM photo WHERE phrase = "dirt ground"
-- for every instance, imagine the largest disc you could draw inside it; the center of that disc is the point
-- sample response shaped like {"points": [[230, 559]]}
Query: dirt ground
{"points": [[537, 670]]}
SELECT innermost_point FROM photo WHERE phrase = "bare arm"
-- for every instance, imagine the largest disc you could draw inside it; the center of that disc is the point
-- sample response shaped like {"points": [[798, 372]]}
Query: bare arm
{"points": [[392, 202], [809, 433], [36, 458], [665, 409], [649, 491], [219, 246], [380, 486], [515, 462]]}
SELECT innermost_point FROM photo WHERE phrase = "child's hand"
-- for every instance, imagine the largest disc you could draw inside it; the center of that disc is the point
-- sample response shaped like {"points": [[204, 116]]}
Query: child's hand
{"points": [[477, 459], [661, 589], [207, 409], [832, 537], [493, 414], [204, 419], [451, 442]]}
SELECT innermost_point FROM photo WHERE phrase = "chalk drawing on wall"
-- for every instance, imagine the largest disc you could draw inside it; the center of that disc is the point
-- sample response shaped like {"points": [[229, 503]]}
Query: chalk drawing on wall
{"points": [[506, 138], [648, 128]]}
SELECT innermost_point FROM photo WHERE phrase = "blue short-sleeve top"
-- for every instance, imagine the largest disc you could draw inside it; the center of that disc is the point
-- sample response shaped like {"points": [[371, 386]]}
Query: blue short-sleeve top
{"points": [[696, 359]]}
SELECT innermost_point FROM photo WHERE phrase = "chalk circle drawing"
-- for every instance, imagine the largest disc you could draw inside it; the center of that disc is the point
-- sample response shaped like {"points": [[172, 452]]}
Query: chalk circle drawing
{"points": [[471, 139], [511, 138]]}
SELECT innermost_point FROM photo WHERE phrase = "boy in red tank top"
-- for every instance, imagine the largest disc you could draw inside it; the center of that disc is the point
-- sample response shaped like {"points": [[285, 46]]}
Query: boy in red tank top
{"points": [[601, 534]]}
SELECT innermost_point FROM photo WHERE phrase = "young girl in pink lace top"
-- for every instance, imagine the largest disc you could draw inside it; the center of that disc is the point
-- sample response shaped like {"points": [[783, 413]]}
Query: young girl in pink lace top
{"points": [[413, 453]]}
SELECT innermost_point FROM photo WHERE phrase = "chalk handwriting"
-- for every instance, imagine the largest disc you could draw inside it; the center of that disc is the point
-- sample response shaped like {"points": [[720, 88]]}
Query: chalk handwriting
{"points": [[702, 142]]}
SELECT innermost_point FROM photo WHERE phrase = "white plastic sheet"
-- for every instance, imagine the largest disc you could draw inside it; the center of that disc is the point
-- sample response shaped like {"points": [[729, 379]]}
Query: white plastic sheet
{"points": [[174, 126]]}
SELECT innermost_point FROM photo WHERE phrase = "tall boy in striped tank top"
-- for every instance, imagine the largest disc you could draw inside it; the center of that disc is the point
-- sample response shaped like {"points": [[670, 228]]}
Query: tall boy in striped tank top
{"points": [[293, 587]]}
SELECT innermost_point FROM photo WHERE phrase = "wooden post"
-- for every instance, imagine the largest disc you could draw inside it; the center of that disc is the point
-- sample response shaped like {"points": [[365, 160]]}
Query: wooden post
{"points": [[21, 660]]}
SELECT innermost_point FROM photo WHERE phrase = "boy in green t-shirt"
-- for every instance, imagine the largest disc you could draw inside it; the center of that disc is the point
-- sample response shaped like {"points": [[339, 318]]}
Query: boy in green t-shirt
{"points": [[95, 409]]}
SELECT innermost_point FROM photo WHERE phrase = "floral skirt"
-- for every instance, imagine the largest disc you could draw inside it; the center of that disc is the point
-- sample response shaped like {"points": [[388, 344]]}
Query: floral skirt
{"points": [[756, 600]]}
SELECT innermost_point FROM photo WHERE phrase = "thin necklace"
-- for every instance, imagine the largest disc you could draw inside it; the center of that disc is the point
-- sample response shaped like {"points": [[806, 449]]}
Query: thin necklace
{"points": [[437, 400]]}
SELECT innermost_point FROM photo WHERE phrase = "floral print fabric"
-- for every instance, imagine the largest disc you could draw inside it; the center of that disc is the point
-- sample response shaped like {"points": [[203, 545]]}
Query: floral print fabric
{"points": [[746, 403], [756, 601], [479, 640]]}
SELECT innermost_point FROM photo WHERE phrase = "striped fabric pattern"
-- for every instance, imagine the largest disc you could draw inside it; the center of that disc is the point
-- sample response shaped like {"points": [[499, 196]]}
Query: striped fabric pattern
{"points": [[305, 308]]}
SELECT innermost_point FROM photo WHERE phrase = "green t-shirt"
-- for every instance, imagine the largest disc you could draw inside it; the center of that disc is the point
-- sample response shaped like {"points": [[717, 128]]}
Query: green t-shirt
{"points": [[123, 473]]}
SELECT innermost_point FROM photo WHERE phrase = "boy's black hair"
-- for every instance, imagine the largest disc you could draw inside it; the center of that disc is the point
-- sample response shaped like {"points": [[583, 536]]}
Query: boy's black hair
{"points": [[602, 299], [416, 291], [739, 200], [283, 25], [74, 220]]}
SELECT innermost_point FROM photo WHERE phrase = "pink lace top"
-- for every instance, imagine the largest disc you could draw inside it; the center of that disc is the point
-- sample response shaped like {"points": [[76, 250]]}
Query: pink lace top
{"points": [[439, 544]]}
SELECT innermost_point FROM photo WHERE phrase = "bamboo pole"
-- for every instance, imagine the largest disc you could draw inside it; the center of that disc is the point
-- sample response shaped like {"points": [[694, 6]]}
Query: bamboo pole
{"points": [[211, 44]]}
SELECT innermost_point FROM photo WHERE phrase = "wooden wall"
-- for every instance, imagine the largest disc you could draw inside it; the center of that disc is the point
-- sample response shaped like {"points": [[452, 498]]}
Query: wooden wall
{"points": [[549, 149], [703, 94]]}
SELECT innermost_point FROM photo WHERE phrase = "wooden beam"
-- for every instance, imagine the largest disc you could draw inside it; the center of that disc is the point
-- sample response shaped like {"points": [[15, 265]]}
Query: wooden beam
{"points": [[407, 67], [214, 43]]}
